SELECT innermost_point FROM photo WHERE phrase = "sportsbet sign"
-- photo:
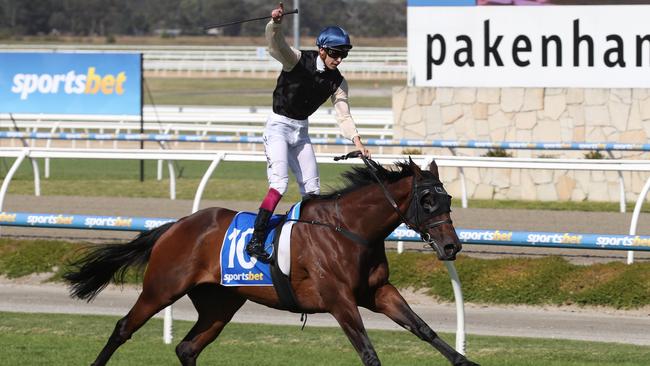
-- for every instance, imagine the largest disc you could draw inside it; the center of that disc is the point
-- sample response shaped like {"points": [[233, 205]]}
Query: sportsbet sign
{"points": [[70, 83]]}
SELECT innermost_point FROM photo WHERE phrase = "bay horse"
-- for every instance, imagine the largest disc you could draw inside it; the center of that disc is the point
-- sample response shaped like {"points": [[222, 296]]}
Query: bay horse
{"points": [[338, 261]]}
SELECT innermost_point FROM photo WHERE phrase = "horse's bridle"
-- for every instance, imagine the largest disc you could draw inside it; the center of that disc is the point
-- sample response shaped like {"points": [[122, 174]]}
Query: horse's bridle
{"points": [[415, 213]]}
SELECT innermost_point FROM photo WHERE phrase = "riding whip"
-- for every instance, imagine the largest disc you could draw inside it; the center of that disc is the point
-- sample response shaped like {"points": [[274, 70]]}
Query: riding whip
{"points": [[219, 25]]}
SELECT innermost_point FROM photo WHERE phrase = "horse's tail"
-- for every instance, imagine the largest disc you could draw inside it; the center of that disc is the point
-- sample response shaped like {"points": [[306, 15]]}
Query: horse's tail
{"points": [[95, 270]]}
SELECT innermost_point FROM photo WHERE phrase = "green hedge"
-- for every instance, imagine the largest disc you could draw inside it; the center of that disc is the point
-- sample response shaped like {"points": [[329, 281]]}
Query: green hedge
{"points": [[531, 281]]}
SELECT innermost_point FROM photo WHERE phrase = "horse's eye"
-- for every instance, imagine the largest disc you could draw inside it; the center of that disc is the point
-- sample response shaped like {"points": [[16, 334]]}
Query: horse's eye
{"points": [[428, 204]]}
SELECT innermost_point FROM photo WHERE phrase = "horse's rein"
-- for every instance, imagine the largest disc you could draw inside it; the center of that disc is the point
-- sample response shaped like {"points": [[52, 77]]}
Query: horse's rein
{"points": [[372, 167], [371, 164], [338, 228]]}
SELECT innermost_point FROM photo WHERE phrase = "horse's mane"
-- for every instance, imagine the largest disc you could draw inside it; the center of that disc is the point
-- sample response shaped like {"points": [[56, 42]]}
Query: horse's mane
{"points": [[359, 177]]}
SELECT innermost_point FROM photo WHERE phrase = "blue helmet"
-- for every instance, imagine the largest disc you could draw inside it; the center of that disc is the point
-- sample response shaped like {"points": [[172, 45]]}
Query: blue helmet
{"points": [[335, 38]]}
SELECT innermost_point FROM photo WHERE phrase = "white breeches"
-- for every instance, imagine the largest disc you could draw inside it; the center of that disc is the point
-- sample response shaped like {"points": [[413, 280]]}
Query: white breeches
{"points": [[287, 146]]}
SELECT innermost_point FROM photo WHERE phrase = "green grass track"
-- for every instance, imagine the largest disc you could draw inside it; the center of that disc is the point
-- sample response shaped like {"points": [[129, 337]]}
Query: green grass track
{"points": [[50, 339]]}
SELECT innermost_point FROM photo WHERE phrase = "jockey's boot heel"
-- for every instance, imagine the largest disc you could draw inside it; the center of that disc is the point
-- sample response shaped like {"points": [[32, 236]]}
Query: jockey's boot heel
{"points": [[255, 247]]}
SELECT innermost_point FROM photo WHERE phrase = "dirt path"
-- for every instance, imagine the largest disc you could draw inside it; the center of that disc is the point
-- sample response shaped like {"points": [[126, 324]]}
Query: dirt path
{"points": [[600, 325]]}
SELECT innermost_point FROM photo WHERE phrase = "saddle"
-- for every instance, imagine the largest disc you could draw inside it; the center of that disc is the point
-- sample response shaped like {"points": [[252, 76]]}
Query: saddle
{"points": [[239, 269]]}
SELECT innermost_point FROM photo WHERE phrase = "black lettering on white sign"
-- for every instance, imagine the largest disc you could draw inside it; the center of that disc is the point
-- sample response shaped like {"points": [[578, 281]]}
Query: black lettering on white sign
{"points": [[611, 48]]}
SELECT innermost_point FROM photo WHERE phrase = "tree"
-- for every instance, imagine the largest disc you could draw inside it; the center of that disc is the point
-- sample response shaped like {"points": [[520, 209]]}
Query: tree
{"points": [[12, 19], [218, 11]]}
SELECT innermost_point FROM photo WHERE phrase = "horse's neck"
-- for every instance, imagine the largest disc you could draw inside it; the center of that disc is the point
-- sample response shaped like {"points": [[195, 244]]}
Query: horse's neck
{"points": [[368, 211]]}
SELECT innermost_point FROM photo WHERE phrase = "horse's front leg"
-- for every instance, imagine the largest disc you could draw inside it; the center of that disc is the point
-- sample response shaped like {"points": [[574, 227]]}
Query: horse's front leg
{"points": [[347, 314], [388, 301]]}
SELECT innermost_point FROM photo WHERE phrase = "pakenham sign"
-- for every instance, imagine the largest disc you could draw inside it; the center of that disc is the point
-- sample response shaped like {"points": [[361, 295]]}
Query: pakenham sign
{"points": [[529, 46]]}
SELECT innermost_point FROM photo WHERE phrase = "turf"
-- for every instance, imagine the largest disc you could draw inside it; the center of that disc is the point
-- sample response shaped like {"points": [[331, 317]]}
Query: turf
{"points": [[245, 181], [50, 339], [250, 92]]}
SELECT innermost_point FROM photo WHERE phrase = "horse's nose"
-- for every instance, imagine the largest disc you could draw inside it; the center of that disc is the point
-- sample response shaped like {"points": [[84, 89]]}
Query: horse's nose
{"points": [[450, 252]]}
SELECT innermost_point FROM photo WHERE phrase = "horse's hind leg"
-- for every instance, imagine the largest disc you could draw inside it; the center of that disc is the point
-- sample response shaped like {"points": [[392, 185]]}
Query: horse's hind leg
{"points": [[216, 305], [145, 307], [389, 302]]}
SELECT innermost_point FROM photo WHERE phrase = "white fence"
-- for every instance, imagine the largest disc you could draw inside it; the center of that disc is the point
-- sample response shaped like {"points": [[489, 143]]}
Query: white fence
{"points": [[238, 121], [216, 156], [366, 62]]}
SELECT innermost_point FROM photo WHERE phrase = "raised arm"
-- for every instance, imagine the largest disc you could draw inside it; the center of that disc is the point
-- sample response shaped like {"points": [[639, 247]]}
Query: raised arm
{"points": [[277, 45]]}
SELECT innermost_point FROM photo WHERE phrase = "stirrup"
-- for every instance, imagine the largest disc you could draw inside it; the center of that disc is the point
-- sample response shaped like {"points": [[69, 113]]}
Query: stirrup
{"points": [[255, 249]]}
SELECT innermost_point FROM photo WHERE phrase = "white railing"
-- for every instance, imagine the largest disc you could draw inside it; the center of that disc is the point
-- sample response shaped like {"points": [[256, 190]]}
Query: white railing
{"points": [[237, 115], [216, 156], [238, 121], [233, 60]]}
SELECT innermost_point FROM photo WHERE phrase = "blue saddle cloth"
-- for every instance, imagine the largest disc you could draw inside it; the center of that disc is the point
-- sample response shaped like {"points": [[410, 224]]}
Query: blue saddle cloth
{"points": [[237, 267]]}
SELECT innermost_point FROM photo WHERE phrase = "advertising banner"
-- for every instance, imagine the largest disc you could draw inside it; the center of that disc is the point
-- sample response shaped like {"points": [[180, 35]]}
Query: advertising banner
{"points": [[537, 239], [119, 223], [70, 83], [237, 239], [529, 46]]}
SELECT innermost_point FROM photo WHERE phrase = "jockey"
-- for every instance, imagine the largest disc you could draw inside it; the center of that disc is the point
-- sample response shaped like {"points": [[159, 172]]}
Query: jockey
{"points": [[307, 80]]}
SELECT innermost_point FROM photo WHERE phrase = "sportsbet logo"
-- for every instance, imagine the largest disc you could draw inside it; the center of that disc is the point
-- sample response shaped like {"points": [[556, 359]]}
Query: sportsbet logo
{"points": [[69, 83]]}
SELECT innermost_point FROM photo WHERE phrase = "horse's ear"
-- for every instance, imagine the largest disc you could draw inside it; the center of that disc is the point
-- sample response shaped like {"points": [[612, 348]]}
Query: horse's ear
{"points": [[433, 168], [415, 168]]}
